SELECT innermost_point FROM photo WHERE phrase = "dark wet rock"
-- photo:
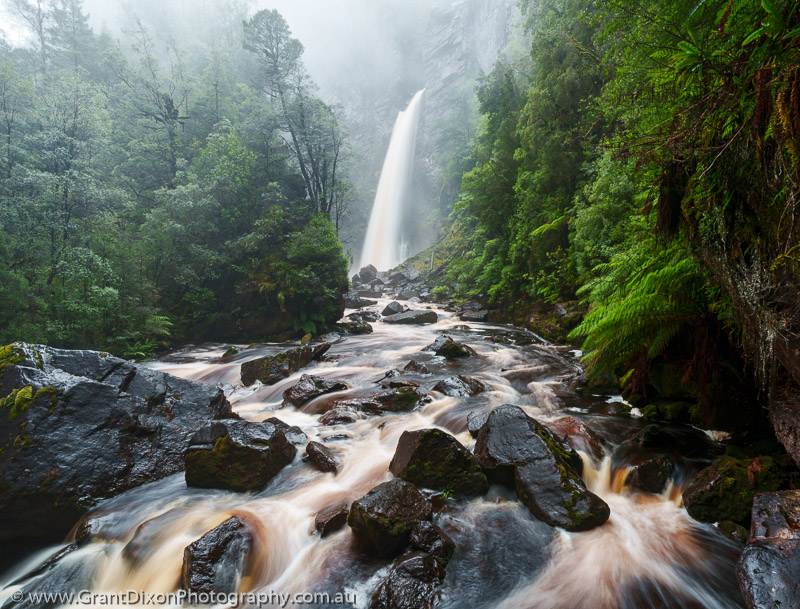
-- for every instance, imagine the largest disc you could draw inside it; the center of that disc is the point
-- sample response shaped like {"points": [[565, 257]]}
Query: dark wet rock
{"points": [[338, 416], [414, 367], [293, 433], [434, 459], [237, 455], [399, 399], [475, 421], [217, 561], [735, 532], [472, 316], [651, 474], [509, 438], [368, 273], [725, 489], [370, 294], [393, 308], [413, 317], [77, 427], [321, 457], [331, 519], [460, 386], [413, 583], [408, 294], [578, 435], [47, 565], [384, 517], [770, 562], [352, 300], [273, 368], [354, 327], [427, 537], [364, 316], [556, 495], [447, 347], [389, 374], [545, 469], [310, 387]]}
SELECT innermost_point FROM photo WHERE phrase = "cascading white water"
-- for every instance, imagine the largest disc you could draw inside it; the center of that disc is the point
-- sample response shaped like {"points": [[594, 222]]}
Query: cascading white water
{"points": [[382, 244]]}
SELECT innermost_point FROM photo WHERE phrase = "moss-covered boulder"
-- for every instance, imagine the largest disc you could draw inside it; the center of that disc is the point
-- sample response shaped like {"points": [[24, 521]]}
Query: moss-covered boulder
{"points": [[384, 517], [310, 387], [445, 346], [273, 368], [520, 452], [434, 459], [237, 455], [725, 489]]}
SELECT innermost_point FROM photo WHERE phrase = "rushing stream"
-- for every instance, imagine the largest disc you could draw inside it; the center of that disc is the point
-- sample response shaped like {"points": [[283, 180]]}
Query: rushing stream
{"points": [[649, 554]]}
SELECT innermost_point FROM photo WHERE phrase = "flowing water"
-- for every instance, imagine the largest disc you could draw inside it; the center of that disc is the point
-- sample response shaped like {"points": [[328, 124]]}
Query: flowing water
{"points": [[649, 554], [383, 244]]}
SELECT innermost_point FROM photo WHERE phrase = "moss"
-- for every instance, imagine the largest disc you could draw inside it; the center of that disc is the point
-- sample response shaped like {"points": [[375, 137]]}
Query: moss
{"points": [[17, 401], [9, 357], [47, 392], [230, 352], [22, 442]]}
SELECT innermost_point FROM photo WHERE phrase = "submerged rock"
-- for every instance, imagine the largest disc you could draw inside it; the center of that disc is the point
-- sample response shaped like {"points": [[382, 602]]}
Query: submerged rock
{"points": [[384, 517], [447, 347], [578, 435], [310, 387], [273, 368], [770, 562], [321, 457], [413, 317], [416, 368], [460, 386], [217, 561], [651, 474], [433, 459], [545, 470], [412, 583], [81, 426], [237, 455]]}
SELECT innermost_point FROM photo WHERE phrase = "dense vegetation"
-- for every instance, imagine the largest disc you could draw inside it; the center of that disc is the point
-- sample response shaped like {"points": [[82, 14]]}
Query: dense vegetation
{"points": [[644, 163], [155, 190]]}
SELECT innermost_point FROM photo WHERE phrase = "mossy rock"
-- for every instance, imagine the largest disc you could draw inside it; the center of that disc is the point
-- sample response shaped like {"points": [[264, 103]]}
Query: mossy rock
{"points": [[725, 489], [733, 531], [434, 459], [230, 352], [673, 411], [9, 357]]}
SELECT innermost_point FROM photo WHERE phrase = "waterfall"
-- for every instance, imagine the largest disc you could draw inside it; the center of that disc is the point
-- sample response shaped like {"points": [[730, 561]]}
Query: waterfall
{"points": [[382, 245]]}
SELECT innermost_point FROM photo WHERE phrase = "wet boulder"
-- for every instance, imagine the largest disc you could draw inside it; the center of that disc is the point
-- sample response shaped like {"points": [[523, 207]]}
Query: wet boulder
{"points": [[397, 399], [445, 346], [414, 367], [310, 387], [725, 489], [733, 531], [393, 308], [460, 386], [650, 474], [475, 421], [385, 516], [408, 294], [412, 317], [412, 583], [217, 561], [321, 457], [331, 519], [354, 327], [509, 438], [427, 537], [237, 455], [338, 416], [293, 433], [769, 565], [273, 368], [556, 495], [81, 426], [578, 435], [545, 470], [434, 459]]}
